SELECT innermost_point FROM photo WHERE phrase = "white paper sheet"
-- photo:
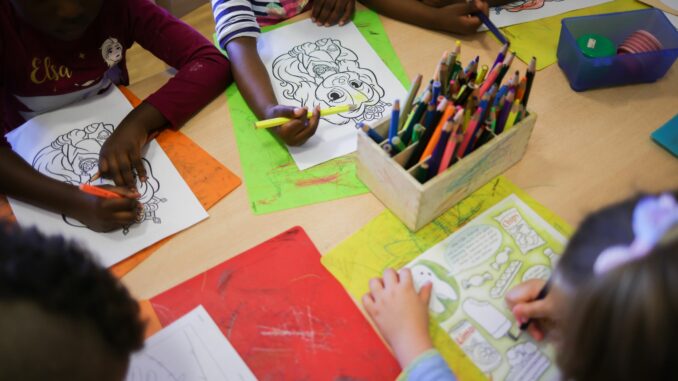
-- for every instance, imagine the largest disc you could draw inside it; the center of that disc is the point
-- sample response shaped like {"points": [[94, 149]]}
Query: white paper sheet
{"points": [[672, 18], [190, 349], [518, 12], [65, 145], [311, 65]]}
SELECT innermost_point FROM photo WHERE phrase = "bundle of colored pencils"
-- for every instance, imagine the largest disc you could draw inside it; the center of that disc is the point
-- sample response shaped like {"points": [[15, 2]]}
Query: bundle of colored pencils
{"points": [[461, 109]]}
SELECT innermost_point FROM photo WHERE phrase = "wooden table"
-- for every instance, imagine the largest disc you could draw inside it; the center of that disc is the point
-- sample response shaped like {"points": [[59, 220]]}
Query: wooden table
{"points": [[587, 150]]}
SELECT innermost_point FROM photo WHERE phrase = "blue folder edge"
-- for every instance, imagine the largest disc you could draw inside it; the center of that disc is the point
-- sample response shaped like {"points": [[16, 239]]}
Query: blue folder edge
{"points": [[667, 136]]}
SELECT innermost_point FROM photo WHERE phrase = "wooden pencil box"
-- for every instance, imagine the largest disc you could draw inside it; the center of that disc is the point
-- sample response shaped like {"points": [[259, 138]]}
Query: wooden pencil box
{"points": [[418, 204]]}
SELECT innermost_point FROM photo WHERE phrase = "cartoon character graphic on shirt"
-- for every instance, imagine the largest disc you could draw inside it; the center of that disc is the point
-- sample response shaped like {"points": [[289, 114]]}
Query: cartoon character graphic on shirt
{"points": [[524, 5], [328, 74], [111, 51], [73, 158]]}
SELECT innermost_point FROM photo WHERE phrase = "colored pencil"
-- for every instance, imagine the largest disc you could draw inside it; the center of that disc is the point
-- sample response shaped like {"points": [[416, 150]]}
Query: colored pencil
{"points": [[531, 71], [447, 114], [416, 116], [493, 28], [395, 119], [451, 143], [469, 132], [500, 56], [407, 107], [99, 192], [275, 122], [374, 135]]}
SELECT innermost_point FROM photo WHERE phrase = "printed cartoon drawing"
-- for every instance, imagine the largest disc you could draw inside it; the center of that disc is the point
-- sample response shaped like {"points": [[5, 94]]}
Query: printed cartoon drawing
{"points": [[522, 233], [505, 279], [441, 290], [328, 74], [476, 280], [551, 255], [527, 362], [111, 51], [73, 158], [501, 258], [523, 5], [476, 346], [487, 316]]}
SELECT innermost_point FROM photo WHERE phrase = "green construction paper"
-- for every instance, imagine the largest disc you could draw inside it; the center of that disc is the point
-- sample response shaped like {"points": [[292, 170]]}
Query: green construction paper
{"points": [[539, 38], [272, 179]]}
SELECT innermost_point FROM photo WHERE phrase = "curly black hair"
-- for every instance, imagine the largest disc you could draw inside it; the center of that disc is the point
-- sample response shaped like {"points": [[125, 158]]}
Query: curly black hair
{"points": [[62, 279]]}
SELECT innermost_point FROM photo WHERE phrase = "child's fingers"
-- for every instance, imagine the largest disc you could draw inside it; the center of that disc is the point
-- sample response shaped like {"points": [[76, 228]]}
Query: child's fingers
{"points": [[310, 126], [524, 292], [125, 168], [103, 166], [139, 166], [315, 11], [121, 204], [376, 286], [534, 310], [326, 11], [535, 331], [123, 191], [405, 276], [124, 218], [348, 12], [368, 303], [390, 278], [337, 12], [425, 292]]}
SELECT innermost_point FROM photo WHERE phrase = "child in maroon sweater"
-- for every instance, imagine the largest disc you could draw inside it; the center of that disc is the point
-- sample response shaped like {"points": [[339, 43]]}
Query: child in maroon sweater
{"points": [[56, 52]]}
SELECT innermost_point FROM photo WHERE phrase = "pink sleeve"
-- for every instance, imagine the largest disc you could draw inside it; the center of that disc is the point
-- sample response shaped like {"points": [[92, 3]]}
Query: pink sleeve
{"points": [[203, 72]]}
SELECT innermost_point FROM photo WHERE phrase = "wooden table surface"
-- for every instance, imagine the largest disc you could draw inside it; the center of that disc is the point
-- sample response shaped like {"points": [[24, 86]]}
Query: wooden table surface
{"points": [[587, 150]]}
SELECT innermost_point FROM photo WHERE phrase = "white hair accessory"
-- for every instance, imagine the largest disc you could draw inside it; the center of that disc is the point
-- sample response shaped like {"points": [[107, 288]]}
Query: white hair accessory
{"points": [[652, 218]]}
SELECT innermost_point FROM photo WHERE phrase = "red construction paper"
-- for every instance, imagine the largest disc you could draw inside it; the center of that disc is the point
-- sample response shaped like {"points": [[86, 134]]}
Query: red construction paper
{"points": [[285, 314]]}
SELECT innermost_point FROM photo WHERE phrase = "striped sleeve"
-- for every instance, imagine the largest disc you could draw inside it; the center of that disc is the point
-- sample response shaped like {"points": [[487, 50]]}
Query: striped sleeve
{"points": [[234, 18]]}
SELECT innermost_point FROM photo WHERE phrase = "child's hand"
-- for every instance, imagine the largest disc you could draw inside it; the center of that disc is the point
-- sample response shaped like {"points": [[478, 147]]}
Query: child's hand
{"points": [[457, 18], [298, 130], [103, 215], [120, 156], [521, 300], [332, 12], [400, 313]]}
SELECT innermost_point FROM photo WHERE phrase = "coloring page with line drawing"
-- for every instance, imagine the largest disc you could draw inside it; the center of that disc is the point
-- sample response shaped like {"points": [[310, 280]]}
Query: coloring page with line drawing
{"points": [[190, 349], [310, 65], [65, 144], [517, 12], [473, 268]]}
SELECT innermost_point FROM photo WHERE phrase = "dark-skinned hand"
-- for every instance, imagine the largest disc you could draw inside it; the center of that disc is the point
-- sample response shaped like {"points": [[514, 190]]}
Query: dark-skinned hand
{"points": [[332, 12], [102, 214], [298, 130]]}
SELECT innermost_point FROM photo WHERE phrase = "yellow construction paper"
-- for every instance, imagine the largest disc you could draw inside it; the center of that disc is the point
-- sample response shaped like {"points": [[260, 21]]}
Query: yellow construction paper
{"points": [[539, 38], [385, 242]]}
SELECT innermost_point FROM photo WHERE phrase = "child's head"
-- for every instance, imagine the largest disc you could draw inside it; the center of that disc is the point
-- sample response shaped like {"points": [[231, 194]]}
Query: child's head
{"points": [[62, 19], [62, 316], [620, 323]]}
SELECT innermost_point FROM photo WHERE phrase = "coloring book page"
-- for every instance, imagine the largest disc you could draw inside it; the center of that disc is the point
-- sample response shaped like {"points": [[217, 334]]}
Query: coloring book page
{"points": [[311, 65], [473, 268], [517, 12], [65, 144], [190, 349]]}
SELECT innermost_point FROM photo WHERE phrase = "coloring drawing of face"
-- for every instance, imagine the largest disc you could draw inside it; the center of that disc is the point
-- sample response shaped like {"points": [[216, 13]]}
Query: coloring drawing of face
{"points": [[441, 290], [523, 5], [111, 51], [73, 157], [327, 74]]}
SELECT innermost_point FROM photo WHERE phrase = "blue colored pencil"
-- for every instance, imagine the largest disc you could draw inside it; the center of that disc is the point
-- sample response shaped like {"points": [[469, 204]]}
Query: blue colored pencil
{"points": [[491, 27], [395, 118]]}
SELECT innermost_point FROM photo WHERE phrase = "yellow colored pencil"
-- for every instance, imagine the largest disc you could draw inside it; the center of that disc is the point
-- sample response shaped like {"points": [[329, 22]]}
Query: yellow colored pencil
{"points": [[274, 122], [511, 120]]}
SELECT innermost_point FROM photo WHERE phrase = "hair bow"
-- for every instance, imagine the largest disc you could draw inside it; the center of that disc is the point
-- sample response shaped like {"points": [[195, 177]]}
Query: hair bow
{"points": [[652, 218]]}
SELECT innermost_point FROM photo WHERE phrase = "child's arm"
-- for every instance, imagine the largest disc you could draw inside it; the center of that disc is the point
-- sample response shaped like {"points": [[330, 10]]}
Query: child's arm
{"points": [[237, 31], [453, 18], [24, 183], [255, 86], [401, 315], [202, 74]]}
